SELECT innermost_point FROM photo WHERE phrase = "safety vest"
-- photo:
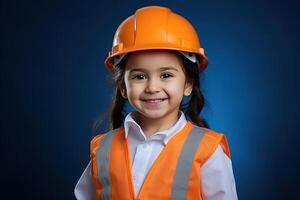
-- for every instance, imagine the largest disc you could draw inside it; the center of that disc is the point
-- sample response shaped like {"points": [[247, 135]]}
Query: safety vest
{"points": [[175, 174]]}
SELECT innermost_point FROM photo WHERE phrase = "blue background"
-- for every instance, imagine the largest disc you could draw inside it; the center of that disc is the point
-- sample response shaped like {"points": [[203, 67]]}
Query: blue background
{"points": [[54, 85]]}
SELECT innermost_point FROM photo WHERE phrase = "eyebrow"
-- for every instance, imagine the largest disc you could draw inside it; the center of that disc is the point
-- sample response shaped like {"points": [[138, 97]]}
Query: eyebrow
{"points": [[161, 69]]}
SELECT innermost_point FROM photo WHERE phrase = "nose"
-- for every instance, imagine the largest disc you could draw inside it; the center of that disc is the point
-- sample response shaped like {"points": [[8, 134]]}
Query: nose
{"points": [[153, 86]]}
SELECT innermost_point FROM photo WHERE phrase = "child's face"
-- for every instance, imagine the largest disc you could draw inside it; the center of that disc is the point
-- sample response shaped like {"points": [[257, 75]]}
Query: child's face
{"points": [[155, 83]]}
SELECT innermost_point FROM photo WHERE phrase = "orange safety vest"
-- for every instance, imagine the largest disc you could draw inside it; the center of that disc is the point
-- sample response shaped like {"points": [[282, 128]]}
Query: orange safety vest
{"points": [[175, 174]]}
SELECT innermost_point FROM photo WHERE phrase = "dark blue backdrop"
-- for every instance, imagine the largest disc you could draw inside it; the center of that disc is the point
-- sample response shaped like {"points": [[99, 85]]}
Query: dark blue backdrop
{"points": [[54, 85]]}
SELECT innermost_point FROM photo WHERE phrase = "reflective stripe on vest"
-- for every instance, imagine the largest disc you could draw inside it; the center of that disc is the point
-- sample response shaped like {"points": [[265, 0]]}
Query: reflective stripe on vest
{"points": [[182, 174], [184, 163], [103, 166]]}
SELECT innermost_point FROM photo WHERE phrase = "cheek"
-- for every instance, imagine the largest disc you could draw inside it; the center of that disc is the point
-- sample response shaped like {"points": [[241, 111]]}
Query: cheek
{"points": [[134, 90], [176, 90], [178, 85]]}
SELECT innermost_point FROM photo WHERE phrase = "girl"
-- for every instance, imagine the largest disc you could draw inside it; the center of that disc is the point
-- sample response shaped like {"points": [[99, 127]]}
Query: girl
{"points": [[162, 150]]}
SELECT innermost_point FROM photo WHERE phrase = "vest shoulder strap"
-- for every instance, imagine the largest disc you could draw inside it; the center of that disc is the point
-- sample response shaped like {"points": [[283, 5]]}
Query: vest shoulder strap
{"points": [[97, 140], [96, 143], [210, 142]]}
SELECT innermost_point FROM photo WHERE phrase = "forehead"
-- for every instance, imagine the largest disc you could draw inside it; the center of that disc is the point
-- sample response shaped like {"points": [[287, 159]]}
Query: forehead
{"points": [[153, 59]]}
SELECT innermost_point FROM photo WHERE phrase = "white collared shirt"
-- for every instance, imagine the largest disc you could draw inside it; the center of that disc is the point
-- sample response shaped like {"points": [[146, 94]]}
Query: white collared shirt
{"points": [[217, 179]]}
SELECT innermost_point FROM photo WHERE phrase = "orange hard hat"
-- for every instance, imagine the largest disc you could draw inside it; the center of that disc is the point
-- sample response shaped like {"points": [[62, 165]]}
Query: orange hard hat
{"points": [[156, 27]]}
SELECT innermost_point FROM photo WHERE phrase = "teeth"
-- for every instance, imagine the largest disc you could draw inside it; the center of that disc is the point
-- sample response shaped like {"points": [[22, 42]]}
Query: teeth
{"points": [[155, 101]]}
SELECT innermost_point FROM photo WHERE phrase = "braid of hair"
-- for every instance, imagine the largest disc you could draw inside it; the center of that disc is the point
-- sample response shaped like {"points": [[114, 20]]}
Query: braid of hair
{"points": [[196, 102], [116, 113], [195, 106]]}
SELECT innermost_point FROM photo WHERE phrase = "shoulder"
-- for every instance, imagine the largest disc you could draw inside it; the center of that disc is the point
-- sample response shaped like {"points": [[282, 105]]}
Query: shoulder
{"points": [[211, 140], [209, 134], [98, 139]]}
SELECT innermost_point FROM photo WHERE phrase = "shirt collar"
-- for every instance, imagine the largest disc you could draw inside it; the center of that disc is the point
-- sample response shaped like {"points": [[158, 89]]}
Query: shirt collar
{"points": [[132, 127]]}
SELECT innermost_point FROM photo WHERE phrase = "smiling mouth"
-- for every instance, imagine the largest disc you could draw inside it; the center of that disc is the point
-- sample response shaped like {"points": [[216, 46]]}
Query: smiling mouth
{"points": [[153, 100]]}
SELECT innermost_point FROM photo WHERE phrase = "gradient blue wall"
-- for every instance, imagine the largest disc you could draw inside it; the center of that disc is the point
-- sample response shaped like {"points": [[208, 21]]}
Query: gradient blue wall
{"points": [[54, 85]]}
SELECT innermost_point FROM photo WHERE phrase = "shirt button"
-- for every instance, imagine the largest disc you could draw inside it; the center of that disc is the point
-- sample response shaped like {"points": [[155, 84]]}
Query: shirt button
{"points": [[145, 146]]}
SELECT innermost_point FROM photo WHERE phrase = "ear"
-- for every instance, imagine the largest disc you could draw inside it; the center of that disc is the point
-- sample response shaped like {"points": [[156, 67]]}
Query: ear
{"points": [[123, 90], [188, 89], [124, 94]]}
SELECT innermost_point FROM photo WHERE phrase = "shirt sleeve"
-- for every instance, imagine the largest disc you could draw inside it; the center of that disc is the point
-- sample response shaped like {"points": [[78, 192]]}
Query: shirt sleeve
{"points": [[217, 179], [85, 188]]}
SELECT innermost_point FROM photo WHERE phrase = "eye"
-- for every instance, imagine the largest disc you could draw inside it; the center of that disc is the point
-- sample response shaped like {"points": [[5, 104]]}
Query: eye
{"points": [[166, 75], [138, 76]]}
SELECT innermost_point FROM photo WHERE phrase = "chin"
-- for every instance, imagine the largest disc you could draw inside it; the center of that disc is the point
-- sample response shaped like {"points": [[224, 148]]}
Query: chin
{"points": [[151, 114], [155, 114]]}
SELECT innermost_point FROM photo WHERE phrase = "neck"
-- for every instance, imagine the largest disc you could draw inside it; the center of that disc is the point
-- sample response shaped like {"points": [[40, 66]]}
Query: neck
{"points": [[151, 126]]}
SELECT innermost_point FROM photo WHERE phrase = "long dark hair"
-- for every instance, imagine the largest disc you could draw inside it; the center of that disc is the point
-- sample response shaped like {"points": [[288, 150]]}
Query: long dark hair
{"points": [[191, 109]]}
